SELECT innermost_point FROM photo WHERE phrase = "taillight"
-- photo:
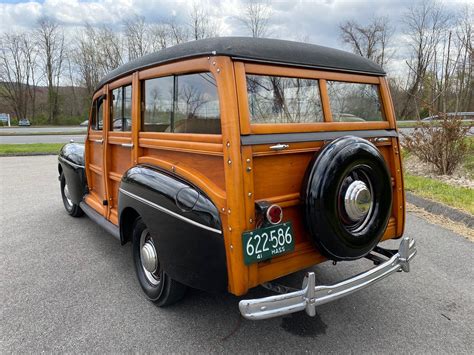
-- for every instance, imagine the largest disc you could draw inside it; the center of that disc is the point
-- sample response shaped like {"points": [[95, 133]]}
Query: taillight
{"points": [[274, 214]]}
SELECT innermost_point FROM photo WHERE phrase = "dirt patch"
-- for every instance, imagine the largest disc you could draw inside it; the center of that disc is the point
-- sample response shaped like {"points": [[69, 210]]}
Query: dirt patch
{"points": [[460, 177], [442, 221]]}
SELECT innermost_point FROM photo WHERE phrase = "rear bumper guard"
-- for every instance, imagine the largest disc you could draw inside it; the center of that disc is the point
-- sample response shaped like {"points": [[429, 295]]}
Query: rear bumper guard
{"points": [[311, 295]]}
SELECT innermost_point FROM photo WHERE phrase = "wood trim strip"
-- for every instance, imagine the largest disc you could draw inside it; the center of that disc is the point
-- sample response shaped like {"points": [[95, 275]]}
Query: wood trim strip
{"points": [[309, 73], [136, 117], [185, 137], [317, 127], [96, 169], [192, 147], [115, 176], [176, 68], [120, 82], [323, 91], [242, 98]]}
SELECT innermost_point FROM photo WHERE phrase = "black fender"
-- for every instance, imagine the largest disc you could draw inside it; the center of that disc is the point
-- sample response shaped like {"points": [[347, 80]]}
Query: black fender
{"points": [[184, 222], [71, 164]]}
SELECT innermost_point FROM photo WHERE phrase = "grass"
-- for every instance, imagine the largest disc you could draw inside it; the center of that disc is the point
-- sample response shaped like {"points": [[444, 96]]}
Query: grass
{"points": [[413, 124], [458, 197], [30, 149]]}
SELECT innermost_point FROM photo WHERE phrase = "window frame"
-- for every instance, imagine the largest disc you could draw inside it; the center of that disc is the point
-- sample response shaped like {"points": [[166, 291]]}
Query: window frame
{"points": [[212, 143], [244, 68], [94, 114], [286, 77], [111, 111], [175, 103]]}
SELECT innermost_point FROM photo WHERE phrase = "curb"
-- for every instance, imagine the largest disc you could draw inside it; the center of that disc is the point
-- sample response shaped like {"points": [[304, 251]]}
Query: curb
{"points": [[440, 209]]}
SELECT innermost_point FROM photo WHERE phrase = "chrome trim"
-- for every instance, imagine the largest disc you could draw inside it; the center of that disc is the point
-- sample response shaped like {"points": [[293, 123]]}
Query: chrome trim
{"points": [[281, 138], [167, 211], [279, 146], [100, 141], [358, 200], [127, 145], [70, 163], [311, 295]]}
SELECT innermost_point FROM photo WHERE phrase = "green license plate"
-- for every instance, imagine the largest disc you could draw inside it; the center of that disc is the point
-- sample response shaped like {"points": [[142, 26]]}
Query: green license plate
{"points": [[265, 243]]}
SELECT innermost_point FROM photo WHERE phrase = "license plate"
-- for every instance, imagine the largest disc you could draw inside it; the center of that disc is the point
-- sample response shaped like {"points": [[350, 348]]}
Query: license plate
{"points": [[265, 243]]}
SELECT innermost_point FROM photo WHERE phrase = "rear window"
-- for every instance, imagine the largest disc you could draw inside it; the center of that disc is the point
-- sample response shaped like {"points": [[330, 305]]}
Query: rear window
{"points": [[276, 99], [354, 102]]}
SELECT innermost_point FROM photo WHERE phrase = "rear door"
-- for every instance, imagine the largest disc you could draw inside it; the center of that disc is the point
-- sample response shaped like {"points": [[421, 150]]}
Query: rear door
{"points": [[119, 146], [95, 156]]}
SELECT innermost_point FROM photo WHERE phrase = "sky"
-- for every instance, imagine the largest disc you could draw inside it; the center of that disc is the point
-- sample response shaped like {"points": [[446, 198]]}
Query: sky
{"points": [[313, 21]]}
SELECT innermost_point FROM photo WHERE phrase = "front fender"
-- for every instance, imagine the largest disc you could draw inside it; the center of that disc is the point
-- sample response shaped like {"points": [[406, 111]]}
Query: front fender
{"points": [[185, 223], [71, 162]]}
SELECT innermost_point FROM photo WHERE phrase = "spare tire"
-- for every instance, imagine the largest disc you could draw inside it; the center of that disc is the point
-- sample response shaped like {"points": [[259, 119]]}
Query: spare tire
{"points": [[347, 195]]}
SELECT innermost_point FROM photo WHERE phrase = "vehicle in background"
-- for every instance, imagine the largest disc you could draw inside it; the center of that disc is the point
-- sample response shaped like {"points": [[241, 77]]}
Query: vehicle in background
{"points": [[84, 123], [24, 122]]}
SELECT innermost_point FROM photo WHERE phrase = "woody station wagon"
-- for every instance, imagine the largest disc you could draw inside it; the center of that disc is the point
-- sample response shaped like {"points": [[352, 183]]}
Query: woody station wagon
{"points": [[231, 162]]}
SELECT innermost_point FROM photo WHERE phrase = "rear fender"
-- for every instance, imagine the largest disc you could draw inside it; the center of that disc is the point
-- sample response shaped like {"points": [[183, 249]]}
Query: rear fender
{"points": [[184, 222]]}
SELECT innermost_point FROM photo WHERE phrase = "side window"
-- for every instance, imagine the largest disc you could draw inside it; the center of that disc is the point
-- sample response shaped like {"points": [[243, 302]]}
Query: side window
{"points": [[97, 114], [275, 99], [197, 104], [181, 104], [354, 102], [121, 112], [157, 105]]}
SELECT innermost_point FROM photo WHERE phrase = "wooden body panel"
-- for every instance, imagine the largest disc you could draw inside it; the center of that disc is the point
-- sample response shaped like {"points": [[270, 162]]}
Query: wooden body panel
{"points": [[233, 176]]}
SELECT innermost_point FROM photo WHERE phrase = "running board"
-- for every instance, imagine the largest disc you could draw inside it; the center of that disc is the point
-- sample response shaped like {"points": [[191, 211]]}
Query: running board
{"points": [[100, 220]]}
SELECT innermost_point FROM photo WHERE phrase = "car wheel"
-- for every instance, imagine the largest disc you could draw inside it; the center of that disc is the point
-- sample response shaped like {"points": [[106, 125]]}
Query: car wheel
{"points": [[348, 198], [71, 208], [158, 286]]}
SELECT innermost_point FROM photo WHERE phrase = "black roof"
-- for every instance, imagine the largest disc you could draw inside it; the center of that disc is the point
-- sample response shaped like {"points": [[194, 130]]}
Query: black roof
{"points": [[256, 50]]}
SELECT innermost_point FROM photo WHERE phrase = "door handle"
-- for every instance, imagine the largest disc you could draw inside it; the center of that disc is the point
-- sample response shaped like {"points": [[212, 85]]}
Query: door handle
{"points": [[100, 141], [127, 145], [279, 146]]}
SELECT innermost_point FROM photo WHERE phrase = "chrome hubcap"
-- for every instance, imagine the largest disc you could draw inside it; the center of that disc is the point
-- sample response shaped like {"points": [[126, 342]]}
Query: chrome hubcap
{"points": [[149, 258], [357, 200], [67, 195]]}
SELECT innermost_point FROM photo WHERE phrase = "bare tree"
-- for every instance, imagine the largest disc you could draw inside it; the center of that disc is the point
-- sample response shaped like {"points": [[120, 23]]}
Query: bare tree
{"points": [[201, 23], [178, 33], [86, 59], [52, 52], [370, 41], [136, 34], [464, 84], [426, 23], [160, 36], [256, 17], [110, 48], [17, 57]]}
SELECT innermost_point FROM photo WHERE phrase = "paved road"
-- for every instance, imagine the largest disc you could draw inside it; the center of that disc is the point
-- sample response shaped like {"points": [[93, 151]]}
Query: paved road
{"points": [[65, 285], [46, 129], [41, 139]]}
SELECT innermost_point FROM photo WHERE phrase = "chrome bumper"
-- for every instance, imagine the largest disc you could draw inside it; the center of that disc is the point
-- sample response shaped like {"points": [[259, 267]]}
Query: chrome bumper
{"points": [[311, 295]]}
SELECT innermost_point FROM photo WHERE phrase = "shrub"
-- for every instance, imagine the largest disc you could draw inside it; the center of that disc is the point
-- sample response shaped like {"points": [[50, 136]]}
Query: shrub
{"points": [[441, 143]]}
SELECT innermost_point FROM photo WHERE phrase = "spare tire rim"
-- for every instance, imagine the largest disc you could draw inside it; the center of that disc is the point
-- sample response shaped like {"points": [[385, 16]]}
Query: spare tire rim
{"points": [[355, 200]]}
